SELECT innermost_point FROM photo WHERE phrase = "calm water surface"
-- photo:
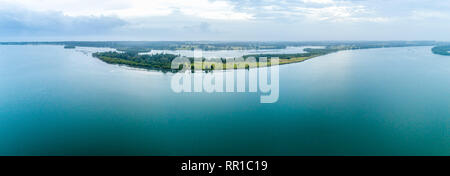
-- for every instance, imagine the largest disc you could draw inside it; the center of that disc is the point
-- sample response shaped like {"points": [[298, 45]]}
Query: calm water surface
{"points": [[234, 53], [392, 101]]}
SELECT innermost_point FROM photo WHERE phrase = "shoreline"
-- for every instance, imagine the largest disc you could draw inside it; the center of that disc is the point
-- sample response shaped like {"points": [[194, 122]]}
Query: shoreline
{"points": [[204, 64]]}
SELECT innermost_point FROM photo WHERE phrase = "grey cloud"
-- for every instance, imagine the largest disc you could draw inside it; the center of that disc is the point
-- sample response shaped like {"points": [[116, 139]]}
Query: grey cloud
{"points": [[23, 22]]}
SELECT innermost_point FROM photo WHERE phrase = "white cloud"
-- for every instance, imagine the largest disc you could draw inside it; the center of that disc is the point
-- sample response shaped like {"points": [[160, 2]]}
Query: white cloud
{"points": [[327, 13], [319, 1], [340, 13], [220, 9]]}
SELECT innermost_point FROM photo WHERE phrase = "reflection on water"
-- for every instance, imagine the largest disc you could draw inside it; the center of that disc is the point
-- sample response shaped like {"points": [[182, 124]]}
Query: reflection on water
{"points": [[391, 101]]}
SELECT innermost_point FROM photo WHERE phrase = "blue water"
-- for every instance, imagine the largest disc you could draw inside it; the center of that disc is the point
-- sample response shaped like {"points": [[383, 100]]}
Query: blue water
{"points": [[390, 101]]}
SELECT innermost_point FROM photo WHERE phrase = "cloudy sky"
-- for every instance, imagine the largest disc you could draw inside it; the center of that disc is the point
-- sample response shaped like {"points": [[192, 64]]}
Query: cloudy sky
{"points": [[256, 20]]}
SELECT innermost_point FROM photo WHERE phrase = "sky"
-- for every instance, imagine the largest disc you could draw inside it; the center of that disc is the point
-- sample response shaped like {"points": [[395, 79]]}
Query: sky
{"points": [[224, 20]]}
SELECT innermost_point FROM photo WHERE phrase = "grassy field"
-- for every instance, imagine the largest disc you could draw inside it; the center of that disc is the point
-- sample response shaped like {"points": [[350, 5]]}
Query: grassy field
{"points": [[296, 59], [206, 65]]}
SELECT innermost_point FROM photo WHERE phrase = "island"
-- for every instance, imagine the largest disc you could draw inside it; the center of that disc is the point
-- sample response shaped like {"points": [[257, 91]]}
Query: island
{"points": [[132, 57], [441, 50]]}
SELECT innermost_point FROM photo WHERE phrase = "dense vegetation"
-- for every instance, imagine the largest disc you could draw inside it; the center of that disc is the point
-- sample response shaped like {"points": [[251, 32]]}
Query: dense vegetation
{"points": [[163, 61], [156, 61], [442, 50], [69, 47], [160, 62]]}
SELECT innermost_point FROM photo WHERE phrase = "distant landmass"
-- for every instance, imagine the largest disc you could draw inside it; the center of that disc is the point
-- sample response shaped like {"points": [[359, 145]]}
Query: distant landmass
{"points": [[163, 61], [145, 46], [441, 50]]}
